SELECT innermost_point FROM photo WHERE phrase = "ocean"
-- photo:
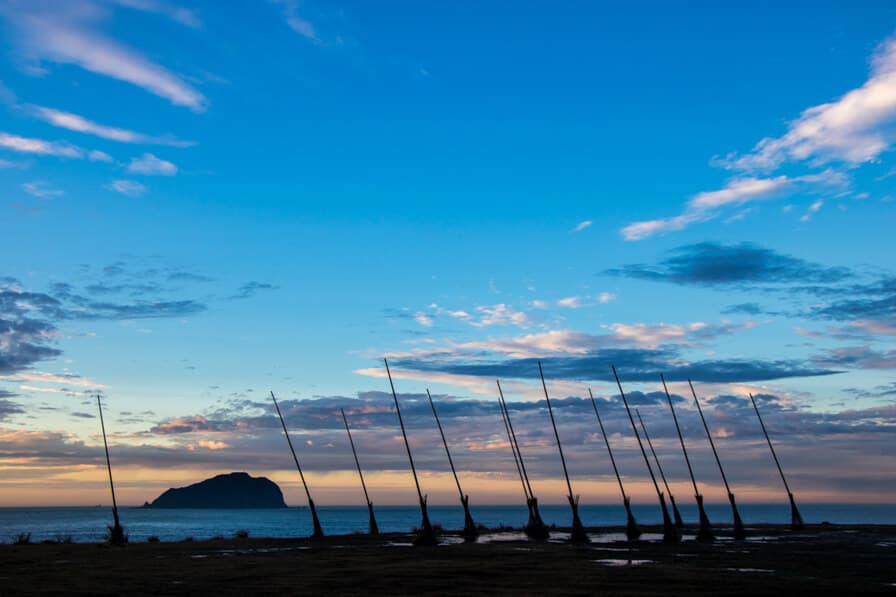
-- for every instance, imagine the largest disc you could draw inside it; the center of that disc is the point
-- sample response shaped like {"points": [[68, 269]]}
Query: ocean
{"points": [[88, 524]]}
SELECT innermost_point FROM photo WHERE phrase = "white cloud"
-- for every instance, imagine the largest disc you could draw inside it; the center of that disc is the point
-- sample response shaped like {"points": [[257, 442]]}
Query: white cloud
{"points": [[571, 302], [299, 24], [74, 122], [738, 191], [178, 14], [66, 379], [606, 297], [539, 304], [99, 156], [4, 164], [65, 33], [130, 188], [855, 128], [39, 146], [814, 208], [423, 319], [499, 314], [151, 165], [41, 190], [582, 225]]}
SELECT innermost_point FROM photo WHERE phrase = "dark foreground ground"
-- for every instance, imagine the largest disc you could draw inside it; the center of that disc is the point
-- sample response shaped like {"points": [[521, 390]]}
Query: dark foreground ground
{"points": [[835, 560]]}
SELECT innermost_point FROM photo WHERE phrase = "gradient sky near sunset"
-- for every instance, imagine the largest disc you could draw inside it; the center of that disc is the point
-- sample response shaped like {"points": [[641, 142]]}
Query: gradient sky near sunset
{"points": [[206, 201]]}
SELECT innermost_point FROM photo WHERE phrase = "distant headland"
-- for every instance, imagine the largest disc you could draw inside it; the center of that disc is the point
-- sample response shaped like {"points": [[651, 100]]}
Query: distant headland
{"points": [[233, 490]]}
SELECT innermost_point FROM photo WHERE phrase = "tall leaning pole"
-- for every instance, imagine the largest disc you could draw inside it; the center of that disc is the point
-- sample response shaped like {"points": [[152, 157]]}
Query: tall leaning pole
{"points": [[704, 532], [670, 532], [317, 532], [470, 531], [374, 529], [739, 531], [796, 520], [426, 535], [577, 534], [116, 532]]}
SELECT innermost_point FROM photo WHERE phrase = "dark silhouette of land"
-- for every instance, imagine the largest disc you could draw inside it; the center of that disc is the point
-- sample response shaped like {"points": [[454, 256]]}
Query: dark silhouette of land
{"points": [[234, 490], [822, 560]]}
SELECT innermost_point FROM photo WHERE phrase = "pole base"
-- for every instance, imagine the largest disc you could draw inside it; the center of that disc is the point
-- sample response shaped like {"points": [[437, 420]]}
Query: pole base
{"points": [[425, 534], [117, 535], [738, 532], [631, 526], [796, 521], [535, 529], [577, 534], [704, 533], [374, 529]]}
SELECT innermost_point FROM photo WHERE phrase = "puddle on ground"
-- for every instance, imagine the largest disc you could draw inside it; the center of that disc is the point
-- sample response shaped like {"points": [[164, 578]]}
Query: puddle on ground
{"points": [[619, 562], [398, 544], [501, 537], [757, 570]]}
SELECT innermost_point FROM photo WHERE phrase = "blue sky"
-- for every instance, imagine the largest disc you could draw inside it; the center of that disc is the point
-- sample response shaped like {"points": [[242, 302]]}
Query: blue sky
{"points": [[204, 202]]}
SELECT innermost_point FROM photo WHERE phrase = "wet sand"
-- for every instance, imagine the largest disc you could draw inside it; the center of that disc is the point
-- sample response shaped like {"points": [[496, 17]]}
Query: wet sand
{"points": [[829, 559]]}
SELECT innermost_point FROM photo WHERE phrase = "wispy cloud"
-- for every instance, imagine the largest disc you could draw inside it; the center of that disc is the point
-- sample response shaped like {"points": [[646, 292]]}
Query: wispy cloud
{"points": [[41, 190], [178, 14], [582, 225], [67, 34], [855, 128], [40, 147], [250, 289], [99, 156], [151, 165], [74, 122], [705, 206], [296, 22], [131, 188]]}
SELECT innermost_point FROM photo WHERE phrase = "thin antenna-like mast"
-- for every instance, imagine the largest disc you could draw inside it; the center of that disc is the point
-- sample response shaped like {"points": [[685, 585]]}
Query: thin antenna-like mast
{"points": [[670, 533], [318, 531], [796, 521], [631, 527], [374, 529], [704, 533], [678, 522], [516, 459], [116, 532], [739, 532], [535, 527], [470, 531], [577, 533], [426, 536]]}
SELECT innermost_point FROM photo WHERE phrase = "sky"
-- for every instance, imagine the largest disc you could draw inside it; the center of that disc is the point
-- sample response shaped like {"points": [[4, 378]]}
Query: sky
{"points": [[206, 202]]}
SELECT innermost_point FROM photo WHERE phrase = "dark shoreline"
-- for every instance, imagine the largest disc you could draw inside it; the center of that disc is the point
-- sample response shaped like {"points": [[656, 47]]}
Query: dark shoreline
{"points": [[822, 559]]}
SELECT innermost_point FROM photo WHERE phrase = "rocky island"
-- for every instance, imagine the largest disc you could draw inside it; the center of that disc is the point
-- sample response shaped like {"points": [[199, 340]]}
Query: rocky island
{"points": [[234, 490]]}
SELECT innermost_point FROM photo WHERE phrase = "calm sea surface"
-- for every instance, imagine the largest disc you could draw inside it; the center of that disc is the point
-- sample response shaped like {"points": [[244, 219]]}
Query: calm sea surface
{"points": [[89, 524]]}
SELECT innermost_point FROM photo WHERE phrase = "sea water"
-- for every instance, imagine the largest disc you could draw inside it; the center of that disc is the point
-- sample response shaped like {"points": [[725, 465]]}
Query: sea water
{"points": [[88, 524]]}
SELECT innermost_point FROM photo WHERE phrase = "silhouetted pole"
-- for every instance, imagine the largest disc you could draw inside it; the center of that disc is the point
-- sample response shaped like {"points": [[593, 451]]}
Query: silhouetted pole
{"points": [[516, 460], [426, 536], [535, 527], [678, 522], [577, 533], [739, 532], [631, 527], [374, 529], [796, 521], [470, 531], [670, 533], [704, 533], [318, 532], [116, 532]]}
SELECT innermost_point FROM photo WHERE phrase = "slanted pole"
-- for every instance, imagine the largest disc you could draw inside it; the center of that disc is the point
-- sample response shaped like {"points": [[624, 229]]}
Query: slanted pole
{"points": [[374, 529], [704, 532], [631, 527], [577, 534], [116, 532], [678, 522], [670, 533], [796, 521], [739, 532], [470, 531], [426, 536], [535, 527], [318, 532]]}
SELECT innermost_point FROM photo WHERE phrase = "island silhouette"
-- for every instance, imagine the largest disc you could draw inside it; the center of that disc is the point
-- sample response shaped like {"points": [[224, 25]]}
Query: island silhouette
{"points": [[231, 490]]}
